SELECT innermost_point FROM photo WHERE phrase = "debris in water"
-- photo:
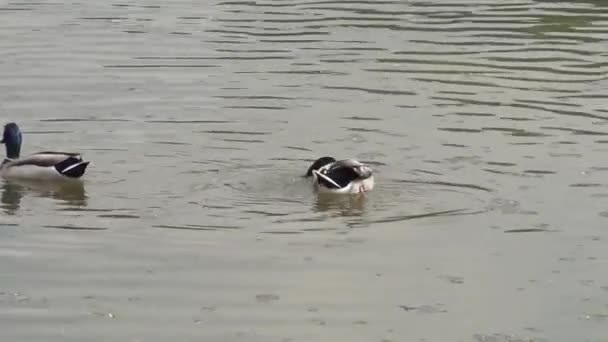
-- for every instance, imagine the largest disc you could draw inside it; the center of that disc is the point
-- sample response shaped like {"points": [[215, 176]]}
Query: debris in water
{"points": [[266, 298]]}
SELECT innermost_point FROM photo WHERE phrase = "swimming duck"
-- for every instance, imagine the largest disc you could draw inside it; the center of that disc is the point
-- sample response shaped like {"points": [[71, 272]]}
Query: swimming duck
{"points": [[346, 176], [42, 165]]}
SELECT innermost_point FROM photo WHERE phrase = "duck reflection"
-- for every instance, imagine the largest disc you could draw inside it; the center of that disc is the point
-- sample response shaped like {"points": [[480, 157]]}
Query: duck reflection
{"points": [[72, 192], [347, 205]]}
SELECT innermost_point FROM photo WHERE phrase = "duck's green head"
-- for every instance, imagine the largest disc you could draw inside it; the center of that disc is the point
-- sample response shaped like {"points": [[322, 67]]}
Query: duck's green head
{"points": [[319, 163], [12, 139]]}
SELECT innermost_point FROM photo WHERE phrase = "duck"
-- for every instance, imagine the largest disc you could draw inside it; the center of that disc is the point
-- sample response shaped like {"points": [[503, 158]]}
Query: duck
{"points": [[347, 176], [38, 166]]}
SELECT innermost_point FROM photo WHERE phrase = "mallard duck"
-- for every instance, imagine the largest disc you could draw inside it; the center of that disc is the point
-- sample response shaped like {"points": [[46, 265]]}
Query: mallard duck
{"points": [[346, 176], [41, 165]]}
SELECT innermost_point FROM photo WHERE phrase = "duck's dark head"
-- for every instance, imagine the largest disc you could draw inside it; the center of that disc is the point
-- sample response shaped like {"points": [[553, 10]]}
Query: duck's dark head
{"points": [[12, 139], [319, 163]]}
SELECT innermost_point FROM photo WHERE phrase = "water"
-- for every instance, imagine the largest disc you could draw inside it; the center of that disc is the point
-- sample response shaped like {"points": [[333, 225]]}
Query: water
{"points": [[485, 122]]}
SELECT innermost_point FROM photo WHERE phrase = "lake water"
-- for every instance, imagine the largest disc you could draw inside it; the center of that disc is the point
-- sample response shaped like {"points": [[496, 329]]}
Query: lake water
{"points": [[486, 123]]}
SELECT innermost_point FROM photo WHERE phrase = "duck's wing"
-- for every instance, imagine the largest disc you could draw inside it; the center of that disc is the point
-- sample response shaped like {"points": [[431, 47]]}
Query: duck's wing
{"points": [[53, 155], [45, 159], [346, 171], [326, 181], [351, 163]]}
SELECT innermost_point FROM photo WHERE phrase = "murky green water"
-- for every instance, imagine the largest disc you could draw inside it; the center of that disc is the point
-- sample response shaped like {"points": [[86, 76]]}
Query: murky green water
{"points": [[486, 123]]}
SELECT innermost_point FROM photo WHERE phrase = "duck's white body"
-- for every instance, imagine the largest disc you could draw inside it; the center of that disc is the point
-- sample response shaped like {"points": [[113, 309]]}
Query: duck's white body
{"points": [[44, 166], [30, 172], [341, 177]]}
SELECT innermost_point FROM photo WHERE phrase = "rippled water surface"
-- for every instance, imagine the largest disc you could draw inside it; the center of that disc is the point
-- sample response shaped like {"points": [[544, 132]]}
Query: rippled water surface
{"points": [[486, 123]]}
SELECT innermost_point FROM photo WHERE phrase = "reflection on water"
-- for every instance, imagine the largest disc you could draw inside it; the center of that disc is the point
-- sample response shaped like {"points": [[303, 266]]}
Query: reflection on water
{"points": [[71, 192], [11, 197], [349, 205]]}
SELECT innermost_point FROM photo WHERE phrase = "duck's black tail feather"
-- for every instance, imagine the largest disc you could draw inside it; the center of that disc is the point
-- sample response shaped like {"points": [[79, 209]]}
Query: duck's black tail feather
{"points": [[72, 167]]}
